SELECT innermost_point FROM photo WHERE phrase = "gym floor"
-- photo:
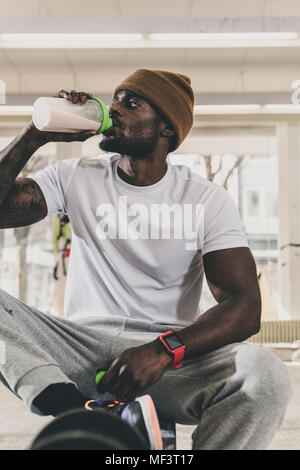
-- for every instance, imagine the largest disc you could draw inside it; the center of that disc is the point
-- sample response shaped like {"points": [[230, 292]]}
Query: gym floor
{"points": [[18, 426]]}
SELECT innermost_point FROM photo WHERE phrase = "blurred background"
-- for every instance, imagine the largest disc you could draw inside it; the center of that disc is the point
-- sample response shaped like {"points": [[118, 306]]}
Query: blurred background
{"points": [[244, 62]]}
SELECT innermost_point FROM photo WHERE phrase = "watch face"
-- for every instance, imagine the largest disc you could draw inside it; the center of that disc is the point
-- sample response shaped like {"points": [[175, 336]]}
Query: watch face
{"points": [[173, 341]]}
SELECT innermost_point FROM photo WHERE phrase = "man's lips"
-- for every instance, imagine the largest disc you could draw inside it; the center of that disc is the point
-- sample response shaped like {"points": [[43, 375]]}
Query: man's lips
{"points": [[110, 131]]}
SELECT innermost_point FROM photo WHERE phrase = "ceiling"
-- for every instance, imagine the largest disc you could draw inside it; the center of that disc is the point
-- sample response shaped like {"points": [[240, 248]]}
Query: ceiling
{"points": [[144, 9], [256, 74]]}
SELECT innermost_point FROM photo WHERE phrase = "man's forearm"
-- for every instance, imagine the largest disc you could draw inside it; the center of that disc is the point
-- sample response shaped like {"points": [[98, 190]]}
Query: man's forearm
{"points": [[232, 320], [14, 157]]}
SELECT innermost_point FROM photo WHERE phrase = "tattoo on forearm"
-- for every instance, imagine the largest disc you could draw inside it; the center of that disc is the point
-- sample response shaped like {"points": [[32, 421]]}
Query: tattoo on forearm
{"points": [[24, 205], [21, 201]]}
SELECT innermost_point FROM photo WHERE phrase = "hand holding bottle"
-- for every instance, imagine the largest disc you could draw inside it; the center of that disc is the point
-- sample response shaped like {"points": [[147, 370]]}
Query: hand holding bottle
{"points": [[68, 116]]}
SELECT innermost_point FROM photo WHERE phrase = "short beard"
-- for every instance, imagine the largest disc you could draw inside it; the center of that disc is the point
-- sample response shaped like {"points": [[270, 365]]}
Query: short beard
{"points": [[140, 145]]}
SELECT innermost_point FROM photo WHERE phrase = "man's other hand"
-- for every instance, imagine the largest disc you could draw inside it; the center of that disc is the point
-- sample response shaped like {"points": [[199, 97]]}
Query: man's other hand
{"points": [[134, 371]]}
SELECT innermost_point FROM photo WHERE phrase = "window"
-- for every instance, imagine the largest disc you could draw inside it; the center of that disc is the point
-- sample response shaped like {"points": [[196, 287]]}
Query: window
{"points": [[253, 204]]}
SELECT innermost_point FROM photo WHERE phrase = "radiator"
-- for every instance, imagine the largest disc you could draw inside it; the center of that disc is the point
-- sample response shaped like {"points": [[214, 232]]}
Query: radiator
{"points": [[284, 331]]}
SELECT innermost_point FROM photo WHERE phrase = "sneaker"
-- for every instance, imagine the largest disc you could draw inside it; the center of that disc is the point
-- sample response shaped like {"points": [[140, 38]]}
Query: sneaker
{"points": [[139, 413], [168, 435]]}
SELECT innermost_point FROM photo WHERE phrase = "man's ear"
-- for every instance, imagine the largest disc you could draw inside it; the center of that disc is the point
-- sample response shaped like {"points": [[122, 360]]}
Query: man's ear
{"points": [[167, 130]]}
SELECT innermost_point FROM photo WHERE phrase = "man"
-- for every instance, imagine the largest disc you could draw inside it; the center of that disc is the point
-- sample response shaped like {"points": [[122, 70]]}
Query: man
{"points": [[136, 271]]}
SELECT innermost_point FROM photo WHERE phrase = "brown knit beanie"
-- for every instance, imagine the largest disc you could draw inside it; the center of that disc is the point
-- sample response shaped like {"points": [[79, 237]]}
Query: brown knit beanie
{"points": [[169, 93]]}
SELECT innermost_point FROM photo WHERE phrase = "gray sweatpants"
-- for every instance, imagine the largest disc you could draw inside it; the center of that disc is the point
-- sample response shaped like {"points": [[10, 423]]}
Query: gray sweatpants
{"points": [[236, 395]]}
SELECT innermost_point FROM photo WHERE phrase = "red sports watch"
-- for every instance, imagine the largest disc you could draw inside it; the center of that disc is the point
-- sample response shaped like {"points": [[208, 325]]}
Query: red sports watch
{"points": [[174, 346]]}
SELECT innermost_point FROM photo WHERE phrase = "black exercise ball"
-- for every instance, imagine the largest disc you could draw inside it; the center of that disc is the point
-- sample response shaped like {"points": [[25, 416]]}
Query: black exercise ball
{"points": [[88, 430]]}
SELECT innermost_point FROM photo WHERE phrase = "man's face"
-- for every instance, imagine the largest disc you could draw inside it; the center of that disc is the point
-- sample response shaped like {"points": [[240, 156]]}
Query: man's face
{"points": [[136, 127]]}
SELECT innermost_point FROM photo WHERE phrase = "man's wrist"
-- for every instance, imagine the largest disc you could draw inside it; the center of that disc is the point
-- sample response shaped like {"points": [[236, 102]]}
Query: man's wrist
{"points": [[34, 139], [163, 353]]}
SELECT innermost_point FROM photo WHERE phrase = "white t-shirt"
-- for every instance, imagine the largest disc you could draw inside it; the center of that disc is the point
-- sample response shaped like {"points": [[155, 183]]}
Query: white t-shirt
{"points": [[137, 250]]}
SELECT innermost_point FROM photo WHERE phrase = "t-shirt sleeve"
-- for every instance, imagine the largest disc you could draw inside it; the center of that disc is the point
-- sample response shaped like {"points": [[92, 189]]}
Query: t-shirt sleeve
{"points": [[54, 181], [223, 226]]}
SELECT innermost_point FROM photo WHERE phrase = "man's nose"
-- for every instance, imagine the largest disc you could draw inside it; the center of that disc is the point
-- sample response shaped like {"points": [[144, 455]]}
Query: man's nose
{"points": [[114, 109]]}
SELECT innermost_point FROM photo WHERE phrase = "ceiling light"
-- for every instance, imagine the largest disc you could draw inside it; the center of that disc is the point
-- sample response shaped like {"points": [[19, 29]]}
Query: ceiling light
{"points": [[282, 108], [199, 110], [247, 109], [16, 110], [228, 40], [227, 109], [145, 41], [68, 41], [224, 36]]}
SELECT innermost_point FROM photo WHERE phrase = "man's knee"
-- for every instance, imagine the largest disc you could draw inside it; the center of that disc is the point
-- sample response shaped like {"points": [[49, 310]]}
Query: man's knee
{"points": [[5, 301], [265, 379], [3, 296]]}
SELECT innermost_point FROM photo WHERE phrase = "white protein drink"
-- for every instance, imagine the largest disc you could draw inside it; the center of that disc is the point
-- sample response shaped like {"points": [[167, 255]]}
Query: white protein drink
{"points": [[61, 115]]}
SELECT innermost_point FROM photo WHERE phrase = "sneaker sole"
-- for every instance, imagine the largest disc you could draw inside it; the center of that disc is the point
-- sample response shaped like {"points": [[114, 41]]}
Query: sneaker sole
{"points": [[151, 421]]}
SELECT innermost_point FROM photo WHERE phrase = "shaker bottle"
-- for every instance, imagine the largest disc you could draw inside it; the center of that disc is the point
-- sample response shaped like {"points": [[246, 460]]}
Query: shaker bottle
{"points": [[60, 115]]}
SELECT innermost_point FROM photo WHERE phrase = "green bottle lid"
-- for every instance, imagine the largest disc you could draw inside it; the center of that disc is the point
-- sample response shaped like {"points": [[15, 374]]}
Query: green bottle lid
{"points": [[106, 120], [99, 376]]}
